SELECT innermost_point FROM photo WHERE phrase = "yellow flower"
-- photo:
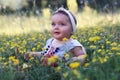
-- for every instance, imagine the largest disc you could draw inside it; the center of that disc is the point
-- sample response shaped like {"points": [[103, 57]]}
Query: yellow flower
{"points": [[31, 58], [67, 56], [2, 49], [74, 37], [94, 60], [74, 65], [114, 49], [92, 46], [2, 58], [33, 38], [110, 53], [81, 57], [33, 49], [24, 42], [11, 58], [15, 61], [86, 64], [5, 63], [96, 38], [58, 68], [38, 46], [114, 44], [76, 73], [102, 46], [99, 50], [52, 59], [118, 53], [65, 74], [64, 39], [107, 42], [44, 48], [102, 60]]}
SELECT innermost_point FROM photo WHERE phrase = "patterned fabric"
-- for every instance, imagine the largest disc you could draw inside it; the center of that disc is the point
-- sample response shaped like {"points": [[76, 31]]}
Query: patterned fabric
{"points": [[62, 50]]}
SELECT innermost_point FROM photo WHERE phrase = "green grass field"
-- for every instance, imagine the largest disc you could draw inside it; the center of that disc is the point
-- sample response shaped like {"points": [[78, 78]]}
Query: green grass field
{"points": [[99, 34]]}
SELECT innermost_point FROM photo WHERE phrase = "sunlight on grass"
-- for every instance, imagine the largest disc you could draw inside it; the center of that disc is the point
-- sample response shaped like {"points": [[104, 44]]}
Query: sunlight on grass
{"points": [[46, 13], [21, 24], [72, 5]]}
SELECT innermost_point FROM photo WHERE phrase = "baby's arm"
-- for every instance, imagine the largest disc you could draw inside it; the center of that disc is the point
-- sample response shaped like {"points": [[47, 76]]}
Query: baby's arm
{"points": [[35, 54], [79, 54]]}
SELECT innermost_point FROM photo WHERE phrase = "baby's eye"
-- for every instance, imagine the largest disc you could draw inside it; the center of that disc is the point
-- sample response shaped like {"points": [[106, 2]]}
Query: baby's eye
{"points": [[52, 24], [62, 24]]}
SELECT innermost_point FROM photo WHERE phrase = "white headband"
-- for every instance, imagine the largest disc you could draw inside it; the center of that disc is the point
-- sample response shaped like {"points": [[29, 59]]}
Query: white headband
{"points": [[70, 16]]}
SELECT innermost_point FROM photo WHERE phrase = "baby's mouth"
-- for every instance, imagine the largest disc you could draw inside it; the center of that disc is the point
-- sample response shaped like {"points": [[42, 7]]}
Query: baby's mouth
{"points": [[57, 33]]}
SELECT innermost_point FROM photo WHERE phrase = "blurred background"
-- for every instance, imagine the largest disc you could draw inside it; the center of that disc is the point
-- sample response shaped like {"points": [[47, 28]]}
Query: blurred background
{"points": [[18, 16], [36, 6]]}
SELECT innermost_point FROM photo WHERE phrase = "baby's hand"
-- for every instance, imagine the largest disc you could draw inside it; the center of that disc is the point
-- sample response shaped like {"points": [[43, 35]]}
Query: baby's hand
{"points": [[27, 56]]}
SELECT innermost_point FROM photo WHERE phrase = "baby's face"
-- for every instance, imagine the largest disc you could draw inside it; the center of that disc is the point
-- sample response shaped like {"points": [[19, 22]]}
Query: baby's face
{"points": [[61, 26]]}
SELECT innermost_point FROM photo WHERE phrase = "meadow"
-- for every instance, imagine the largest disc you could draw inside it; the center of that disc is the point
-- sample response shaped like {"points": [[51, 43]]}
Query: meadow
{"points": [[98, 32]]}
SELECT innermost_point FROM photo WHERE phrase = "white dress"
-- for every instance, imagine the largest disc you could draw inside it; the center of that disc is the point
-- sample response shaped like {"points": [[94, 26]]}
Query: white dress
{"points": [[62, 50]]}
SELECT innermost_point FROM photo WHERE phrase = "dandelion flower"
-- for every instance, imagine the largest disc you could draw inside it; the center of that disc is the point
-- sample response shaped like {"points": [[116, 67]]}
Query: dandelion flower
{"points": [[82, 57], [44, 48], [96, 38], [114, 49], [92, 46], [74, 37], [58, 68], [114, 44], [66, 56], [94, 60], [65, 74], [86, 64], [15, 62], [5, 63], [107, 42], [52, 59], [76, 73], [11, 58], [99, 50], [74, 65], [64, 39]]}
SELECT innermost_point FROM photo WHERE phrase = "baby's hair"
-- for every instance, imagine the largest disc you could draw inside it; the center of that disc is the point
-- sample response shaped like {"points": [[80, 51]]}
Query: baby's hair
{"points": [[60, 11]]}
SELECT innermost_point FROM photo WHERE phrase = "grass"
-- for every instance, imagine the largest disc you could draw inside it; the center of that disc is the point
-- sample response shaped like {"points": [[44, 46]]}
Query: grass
{"points": [[102, 45], [22, 24], [99, 33]]}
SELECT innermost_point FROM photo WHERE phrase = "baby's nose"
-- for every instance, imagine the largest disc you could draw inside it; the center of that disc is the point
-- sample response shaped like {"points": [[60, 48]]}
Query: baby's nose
{"points": [[56, 26]]}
